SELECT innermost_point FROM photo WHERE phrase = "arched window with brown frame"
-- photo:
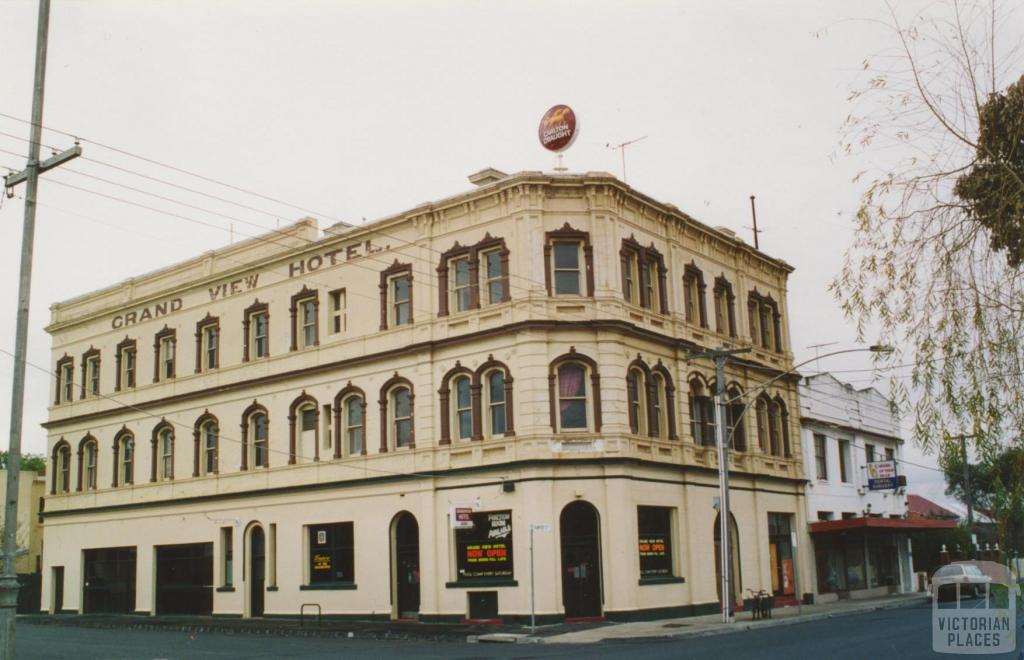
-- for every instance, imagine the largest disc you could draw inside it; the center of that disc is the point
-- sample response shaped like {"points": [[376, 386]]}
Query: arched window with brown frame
{"points": [[734, 418], [88, 463], [644, 275], [303, 429], [725, 307], [763, 435], [459, 405], [783, 421], [694, 308], [206, 445], [350, 422], [124, 458], [702, 411], [397, 414], [640, 407], [162, 450], [255, 437], [495, 401], [61, 459], [664, 399], [574, 393]]}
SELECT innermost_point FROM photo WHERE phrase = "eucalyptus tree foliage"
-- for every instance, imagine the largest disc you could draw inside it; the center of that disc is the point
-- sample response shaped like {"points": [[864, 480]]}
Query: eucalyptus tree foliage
{"points": [[930, 270]]}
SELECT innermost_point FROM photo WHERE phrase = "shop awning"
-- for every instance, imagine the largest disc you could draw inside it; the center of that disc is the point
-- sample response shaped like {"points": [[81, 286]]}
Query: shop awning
{"points": [[880, 524]]}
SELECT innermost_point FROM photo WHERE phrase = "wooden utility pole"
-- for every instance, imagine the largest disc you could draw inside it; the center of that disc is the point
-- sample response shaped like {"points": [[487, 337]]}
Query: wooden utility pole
{"points": [[30, 175]]}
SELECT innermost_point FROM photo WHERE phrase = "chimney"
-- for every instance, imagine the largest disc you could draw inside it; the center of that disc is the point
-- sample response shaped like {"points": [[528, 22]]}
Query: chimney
{"points": [[486, 176]]}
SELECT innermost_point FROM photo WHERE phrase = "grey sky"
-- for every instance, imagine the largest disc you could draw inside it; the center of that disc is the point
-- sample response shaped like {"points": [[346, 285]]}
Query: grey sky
{"points": [[363, 109]]}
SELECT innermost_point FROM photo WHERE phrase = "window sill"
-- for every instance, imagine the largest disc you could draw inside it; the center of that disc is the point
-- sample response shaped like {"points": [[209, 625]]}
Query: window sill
{"points": [[329, 586], [482, 582], [646, 581], [273, 588], [225, 589]]}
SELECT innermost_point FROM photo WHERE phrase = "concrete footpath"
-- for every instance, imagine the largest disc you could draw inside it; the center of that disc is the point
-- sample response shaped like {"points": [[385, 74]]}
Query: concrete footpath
{"points": [[703, 626]]}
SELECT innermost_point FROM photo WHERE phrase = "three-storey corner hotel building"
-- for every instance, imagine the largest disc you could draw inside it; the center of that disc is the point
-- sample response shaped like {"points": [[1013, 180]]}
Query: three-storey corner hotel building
{"points": [[371, 418]]}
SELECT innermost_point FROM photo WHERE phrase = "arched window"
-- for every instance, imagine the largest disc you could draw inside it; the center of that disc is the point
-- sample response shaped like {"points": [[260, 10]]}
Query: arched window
{"points": [[635, 390], [208, 442], [702, 412], [124, 452], [61, 468], [88, 455], [783, 422], [496, 424], [462, 409], [401, 416], [260, 438], [355, 425], [763, 441], [663, 394], [734, 419], [693, 296], [574, 392], [165, 455], [349, 422], [774, 429], [303, 430], [396, 413]]}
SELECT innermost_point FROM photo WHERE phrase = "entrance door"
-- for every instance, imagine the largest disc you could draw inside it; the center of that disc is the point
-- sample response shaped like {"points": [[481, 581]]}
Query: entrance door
{"points": [[257, 570], [780, 552], [58, 589], [109, 581], [581, 560], [735, 576], [184, 579], [407, 565]]}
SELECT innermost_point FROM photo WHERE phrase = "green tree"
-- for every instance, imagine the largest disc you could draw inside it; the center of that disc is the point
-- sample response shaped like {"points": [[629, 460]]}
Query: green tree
{"points": [[997, 488], [34, 462], [934, 267]]}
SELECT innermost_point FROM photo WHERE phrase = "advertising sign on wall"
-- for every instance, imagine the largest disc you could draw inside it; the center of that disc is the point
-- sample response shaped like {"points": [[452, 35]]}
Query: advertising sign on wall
{"points": [[882, 475], [485, 550]]}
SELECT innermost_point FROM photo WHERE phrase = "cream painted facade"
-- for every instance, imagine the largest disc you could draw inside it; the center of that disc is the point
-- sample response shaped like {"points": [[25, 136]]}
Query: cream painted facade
{"points": [[31, 488], [547, 345]]}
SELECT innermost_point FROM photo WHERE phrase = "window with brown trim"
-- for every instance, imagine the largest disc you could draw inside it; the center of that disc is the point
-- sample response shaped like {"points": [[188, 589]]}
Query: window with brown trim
{"points": [[473, 276], [643, 276], [125, 365], [702, 413], [765, 322], [90, 373], [396, 296], [88, 455], [693, 296], [255, 437], [124, 459], [574, 393], [568, 262], [734, 411], [65, 390], [256, 332], [207, 343], [61, 468], [164, 349], [725, 307], [162, 453], [303, 430], [305, 319]]}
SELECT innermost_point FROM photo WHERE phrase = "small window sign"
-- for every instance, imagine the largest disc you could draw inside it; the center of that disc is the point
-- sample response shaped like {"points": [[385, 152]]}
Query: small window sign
{"points": [[321, 536]]}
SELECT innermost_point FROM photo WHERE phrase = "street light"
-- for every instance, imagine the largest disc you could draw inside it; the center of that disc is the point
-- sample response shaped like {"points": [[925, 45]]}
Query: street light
{"points": [[720, 356]]}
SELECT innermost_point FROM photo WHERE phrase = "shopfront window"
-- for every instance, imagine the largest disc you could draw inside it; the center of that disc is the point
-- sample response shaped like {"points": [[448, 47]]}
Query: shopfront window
{"points": [[331, 554], [654, 541]]}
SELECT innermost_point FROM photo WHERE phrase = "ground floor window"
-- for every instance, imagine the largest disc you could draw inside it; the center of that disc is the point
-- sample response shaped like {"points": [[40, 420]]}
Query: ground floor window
{"points": [[654, 541], [484, 552], [331, 554], [780, 550], [852, 561], [109, 584]]}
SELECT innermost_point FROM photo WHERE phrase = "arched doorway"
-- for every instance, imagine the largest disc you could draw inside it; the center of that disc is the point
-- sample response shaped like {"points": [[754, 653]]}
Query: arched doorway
{"points": [[405, 565], [580, 534], [735, 576], [257, 570]]}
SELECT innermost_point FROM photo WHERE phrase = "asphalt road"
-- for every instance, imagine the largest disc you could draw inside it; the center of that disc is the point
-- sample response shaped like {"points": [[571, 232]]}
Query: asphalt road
{"points": [[903, 633]]}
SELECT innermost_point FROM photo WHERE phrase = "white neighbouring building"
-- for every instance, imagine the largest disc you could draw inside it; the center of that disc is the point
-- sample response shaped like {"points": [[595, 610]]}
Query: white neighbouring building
{"points": [[297, 417], [860, 536]]}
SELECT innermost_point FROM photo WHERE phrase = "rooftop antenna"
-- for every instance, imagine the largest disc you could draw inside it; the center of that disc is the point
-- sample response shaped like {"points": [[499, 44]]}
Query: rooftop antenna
{"points": [[622, 149], [817, 347], [753, 214]]}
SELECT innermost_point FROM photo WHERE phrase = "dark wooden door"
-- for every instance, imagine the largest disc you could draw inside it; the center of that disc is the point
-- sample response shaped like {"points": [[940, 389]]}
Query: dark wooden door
{"points": [[581, 561], [58, 589], [407, 566], [258, 570]]}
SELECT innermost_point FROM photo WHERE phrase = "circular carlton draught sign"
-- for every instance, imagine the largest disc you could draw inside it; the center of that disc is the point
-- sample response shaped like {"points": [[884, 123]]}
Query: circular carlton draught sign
{"points": [[557, 129]]}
